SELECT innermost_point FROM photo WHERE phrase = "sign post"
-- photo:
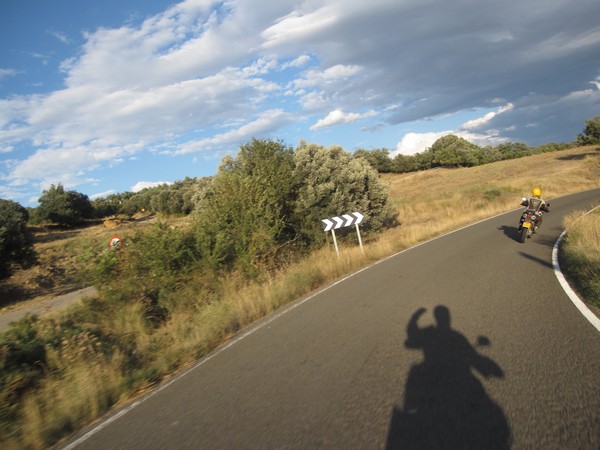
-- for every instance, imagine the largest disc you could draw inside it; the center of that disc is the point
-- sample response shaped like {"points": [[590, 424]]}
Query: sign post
{"points": [[359, 240], [337, 250], [346, 220]]}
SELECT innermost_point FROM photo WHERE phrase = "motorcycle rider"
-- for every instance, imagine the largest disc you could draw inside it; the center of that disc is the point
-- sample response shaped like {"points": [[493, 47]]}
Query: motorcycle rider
{"points": [[536, 204]]}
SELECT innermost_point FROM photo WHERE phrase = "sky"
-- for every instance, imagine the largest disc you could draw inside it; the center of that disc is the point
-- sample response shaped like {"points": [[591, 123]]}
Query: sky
{"points": [[108, 96]]}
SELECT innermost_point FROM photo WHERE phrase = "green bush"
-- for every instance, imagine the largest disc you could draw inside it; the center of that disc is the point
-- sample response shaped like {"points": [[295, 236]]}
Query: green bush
{"points": [[246, 210], [330, 182], [16, 242], [379, 159], [63, 207], [591, 132], [22, 365], [453, 151]]}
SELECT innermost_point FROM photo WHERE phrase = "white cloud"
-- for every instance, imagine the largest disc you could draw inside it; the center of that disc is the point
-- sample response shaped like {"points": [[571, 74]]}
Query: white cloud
{"points": [[268, 121], [313, 101], [61, 37], [297, 26], [102, 194], [319, 78], [4, 73], [205, 74], [482, 121], [413, 143], [9, 192], [83, 126], [54, 163], [337, 117], [140, 185], [300, 61]]}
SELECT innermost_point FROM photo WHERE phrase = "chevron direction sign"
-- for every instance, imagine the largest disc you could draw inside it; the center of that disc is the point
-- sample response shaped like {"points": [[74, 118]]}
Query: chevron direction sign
{"points": [[342, 221]]}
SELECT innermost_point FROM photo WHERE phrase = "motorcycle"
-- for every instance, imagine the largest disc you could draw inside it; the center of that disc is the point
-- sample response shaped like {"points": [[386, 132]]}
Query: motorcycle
{"points": [[528, 223]]}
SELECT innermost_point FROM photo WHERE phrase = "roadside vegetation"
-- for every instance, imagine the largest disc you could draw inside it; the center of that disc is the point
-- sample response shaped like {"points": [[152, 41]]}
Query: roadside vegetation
{"points": [[16, 244], [252, 242], [580, 255]]}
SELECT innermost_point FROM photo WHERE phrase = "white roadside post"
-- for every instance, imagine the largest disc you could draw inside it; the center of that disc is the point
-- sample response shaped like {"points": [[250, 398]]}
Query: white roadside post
{"points": [[337, 250], [359, 220], [346, 220], [333, 224]]}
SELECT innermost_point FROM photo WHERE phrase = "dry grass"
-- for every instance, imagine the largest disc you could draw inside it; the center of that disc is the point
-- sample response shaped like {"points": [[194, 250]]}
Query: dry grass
{"points": [[581, 255], [447, 198], [428, 203]]}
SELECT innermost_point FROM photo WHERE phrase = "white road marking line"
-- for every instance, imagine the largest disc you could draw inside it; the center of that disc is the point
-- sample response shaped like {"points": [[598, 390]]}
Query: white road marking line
{"points": [[579, 304]]}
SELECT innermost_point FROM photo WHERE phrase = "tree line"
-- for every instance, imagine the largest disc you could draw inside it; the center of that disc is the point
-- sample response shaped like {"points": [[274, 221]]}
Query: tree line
{"points": [[453, 151], [265, 200]]}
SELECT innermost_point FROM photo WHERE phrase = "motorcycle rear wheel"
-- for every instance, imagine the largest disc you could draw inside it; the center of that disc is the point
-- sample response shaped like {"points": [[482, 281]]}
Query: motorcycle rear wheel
{"points": [[523, 235]]}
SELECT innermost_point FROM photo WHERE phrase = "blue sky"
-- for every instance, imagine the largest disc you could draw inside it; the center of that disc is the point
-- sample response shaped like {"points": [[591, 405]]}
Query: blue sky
{"points": [[114, 95]]}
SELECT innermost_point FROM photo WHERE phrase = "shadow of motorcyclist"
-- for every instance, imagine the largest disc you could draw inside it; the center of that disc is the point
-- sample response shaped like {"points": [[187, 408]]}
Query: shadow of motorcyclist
{"points": [[537, 260], [445, 404], [510, 232]]}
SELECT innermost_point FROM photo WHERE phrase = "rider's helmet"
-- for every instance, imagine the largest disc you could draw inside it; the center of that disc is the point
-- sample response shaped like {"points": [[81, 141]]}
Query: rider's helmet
{"points": [[537, 192]]}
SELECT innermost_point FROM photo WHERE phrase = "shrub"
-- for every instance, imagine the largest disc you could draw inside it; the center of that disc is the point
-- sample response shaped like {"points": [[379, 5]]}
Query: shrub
{"points": [[246, 208], [591, 132], [454, 151], [330, 183], [16, 243], [22, 362], [64, 207]]}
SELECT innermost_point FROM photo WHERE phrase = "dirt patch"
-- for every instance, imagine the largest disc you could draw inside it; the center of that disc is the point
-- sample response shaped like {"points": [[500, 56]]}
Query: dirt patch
{"points": [[57, 270], [53, 274]]}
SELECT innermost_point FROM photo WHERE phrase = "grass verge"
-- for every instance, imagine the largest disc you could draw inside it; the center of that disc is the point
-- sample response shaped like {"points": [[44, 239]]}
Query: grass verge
{"points": [[580, 255]]}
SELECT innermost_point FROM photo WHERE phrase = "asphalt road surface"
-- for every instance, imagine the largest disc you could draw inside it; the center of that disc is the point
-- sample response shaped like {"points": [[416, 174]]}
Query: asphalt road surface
{"points": [[44, 306], [467, 341]]}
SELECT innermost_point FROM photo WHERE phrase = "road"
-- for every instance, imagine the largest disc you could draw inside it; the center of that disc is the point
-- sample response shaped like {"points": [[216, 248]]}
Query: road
{"points": [[44, 306], [466, 341]]}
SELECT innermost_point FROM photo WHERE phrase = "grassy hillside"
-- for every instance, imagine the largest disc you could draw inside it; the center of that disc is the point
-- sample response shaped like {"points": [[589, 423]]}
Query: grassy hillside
{"points": [[448, 198], [105, 351]]}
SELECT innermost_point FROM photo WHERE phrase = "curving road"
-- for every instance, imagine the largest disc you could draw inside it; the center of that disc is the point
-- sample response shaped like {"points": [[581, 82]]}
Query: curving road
{"points": [[466, 341]]}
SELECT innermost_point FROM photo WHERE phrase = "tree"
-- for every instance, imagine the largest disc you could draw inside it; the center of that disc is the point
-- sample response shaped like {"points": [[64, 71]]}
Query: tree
{"points": [[167, 201], [246, 207], [331, 182], [64, 207], [114, 204], [405, 163], [591, 132], [16, 243], [453, 151], [199, 194], [424, 160], [488, 154], [514, 150], [379, 159], [103, 207]]}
